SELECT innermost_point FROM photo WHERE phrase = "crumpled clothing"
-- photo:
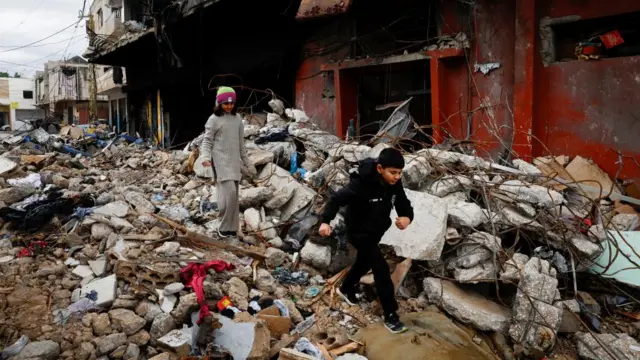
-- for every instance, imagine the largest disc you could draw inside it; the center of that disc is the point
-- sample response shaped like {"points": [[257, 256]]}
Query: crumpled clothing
{"points": [[16, 348], [284, 310], [305, 346], [273, 137], [193, 277], [33, 180], [39, 213], [286, 277], [35, 247], [82, 212]]}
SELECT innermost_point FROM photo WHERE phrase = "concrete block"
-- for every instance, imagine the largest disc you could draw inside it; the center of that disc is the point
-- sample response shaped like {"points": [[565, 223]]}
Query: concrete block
{"points": [[424, 238], [466, 306], [105, 287]]}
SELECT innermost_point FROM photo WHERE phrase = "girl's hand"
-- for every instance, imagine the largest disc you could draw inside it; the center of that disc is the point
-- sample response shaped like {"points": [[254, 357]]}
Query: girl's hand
{"points": [[206, 163]]}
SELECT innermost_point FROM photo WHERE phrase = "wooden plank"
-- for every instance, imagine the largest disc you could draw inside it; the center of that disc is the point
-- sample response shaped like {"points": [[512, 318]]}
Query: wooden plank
{"points": [[351, 347], [190, 235], [400, 273], [290, 354], [285, 341], [324, 352]]}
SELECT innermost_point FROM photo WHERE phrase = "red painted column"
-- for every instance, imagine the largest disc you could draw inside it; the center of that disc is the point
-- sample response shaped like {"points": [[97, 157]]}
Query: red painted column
{"points": [[346, 93], [435, 100], [524, 66]]}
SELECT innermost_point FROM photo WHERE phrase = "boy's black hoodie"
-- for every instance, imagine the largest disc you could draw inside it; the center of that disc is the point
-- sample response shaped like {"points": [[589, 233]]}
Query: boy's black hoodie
{"points": [[369, 200]]}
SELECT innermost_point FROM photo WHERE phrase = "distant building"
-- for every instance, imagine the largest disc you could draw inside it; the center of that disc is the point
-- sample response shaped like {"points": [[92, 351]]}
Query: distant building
{"points": [[17, 103], [63, 91], [106, 25]]}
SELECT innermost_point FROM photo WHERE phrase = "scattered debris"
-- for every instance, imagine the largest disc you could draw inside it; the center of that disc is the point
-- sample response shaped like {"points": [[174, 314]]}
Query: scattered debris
{"points": [[114, 253]]}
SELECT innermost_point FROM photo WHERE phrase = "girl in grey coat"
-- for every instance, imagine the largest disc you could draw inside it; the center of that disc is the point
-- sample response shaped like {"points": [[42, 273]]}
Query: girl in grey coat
{"points": [[223, 148]]}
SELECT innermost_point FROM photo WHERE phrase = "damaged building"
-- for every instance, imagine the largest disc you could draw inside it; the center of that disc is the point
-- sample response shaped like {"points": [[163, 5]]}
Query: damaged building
{"points": [[515, 119], [503, 73]]}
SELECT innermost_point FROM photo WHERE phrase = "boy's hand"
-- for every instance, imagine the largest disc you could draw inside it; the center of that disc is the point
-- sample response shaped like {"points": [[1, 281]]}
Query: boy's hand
{"points": [[402, 222], [325, 230]]}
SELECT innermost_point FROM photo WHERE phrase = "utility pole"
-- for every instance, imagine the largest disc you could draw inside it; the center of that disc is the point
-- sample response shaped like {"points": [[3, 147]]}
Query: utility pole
{"points": [[93, 93], [93, 82]]}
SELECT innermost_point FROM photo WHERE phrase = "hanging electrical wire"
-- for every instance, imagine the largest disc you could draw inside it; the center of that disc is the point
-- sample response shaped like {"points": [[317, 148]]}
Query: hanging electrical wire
{"points": [[41, 40]]}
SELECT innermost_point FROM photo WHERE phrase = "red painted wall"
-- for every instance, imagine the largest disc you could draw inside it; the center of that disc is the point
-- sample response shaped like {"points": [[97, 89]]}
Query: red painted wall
{"points": [[572, 108], [591, 108], [488, 99]]}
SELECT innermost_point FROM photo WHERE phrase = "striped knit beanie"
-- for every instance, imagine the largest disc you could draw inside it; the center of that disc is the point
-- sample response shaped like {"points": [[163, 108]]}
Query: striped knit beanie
{"points": [[225, 94]]}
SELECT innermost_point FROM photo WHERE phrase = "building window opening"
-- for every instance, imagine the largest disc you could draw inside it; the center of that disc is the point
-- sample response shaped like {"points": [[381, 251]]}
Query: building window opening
{"points": [[27, 94], [382, 88], [594, 39]]}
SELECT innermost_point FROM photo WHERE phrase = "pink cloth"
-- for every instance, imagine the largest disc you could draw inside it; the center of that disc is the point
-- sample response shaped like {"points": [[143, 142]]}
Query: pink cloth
{"points": [[193, 277]]}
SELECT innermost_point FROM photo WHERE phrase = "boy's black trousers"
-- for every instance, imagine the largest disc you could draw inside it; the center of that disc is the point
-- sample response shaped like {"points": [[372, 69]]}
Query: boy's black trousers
{"points": [[370, 257]]}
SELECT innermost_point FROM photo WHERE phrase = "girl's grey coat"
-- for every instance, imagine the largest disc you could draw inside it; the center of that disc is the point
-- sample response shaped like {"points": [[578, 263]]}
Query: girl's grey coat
{"points": [[223, 143]]}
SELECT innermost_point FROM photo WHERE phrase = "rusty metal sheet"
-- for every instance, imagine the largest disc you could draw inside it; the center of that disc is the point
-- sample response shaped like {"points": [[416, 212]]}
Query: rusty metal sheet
{"points": [[316, 8]]}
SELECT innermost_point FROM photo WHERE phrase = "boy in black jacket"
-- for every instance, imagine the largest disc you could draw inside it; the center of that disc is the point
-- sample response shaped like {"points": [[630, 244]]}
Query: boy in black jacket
{"points": [[369, 197]]}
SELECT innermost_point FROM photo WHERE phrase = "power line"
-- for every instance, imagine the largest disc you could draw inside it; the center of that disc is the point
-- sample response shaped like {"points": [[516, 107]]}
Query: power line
{"points": [[38, 41], [39, 59], [51, 43]]}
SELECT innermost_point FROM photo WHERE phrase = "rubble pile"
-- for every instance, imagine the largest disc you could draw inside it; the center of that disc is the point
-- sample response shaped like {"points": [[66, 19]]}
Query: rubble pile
{"points": [[112, 252]]}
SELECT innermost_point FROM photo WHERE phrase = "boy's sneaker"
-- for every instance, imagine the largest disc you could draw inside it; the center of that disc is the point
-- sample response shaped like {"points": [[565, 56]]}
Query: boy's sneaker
{"points": [[348, 296], [393, 324]]}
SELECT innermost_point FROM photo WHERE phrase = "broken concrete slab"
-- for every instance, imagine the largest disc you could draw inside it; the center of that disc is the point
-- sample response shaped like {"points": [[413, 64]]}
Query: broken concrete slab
{"points": [[139, 202], [536, 320], [12, 195], [82, 271], [466, 306], [620, 346], [259, 157], [244, 340], [351, 153], [509, 216], [449, 184], [425, 237], [316, 255], [513, 269], [534, 194], [526, 167], [105, 287], [6, 165], [586, 247], [466, 214], [126, 321], [318, 139], [449, 158], [117, 208], [482, 272], [281, 196], [254, 196], [98, 266], [179, 341], [252, 218], [625, 222], [415, 172], [277, 177], [44, 350]]}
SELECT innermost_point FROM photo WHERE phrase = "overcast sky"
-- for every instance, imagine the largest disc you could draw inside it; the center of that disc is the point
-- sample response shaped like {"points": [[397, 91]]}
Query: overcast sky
{"points": [[25, 21]]}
